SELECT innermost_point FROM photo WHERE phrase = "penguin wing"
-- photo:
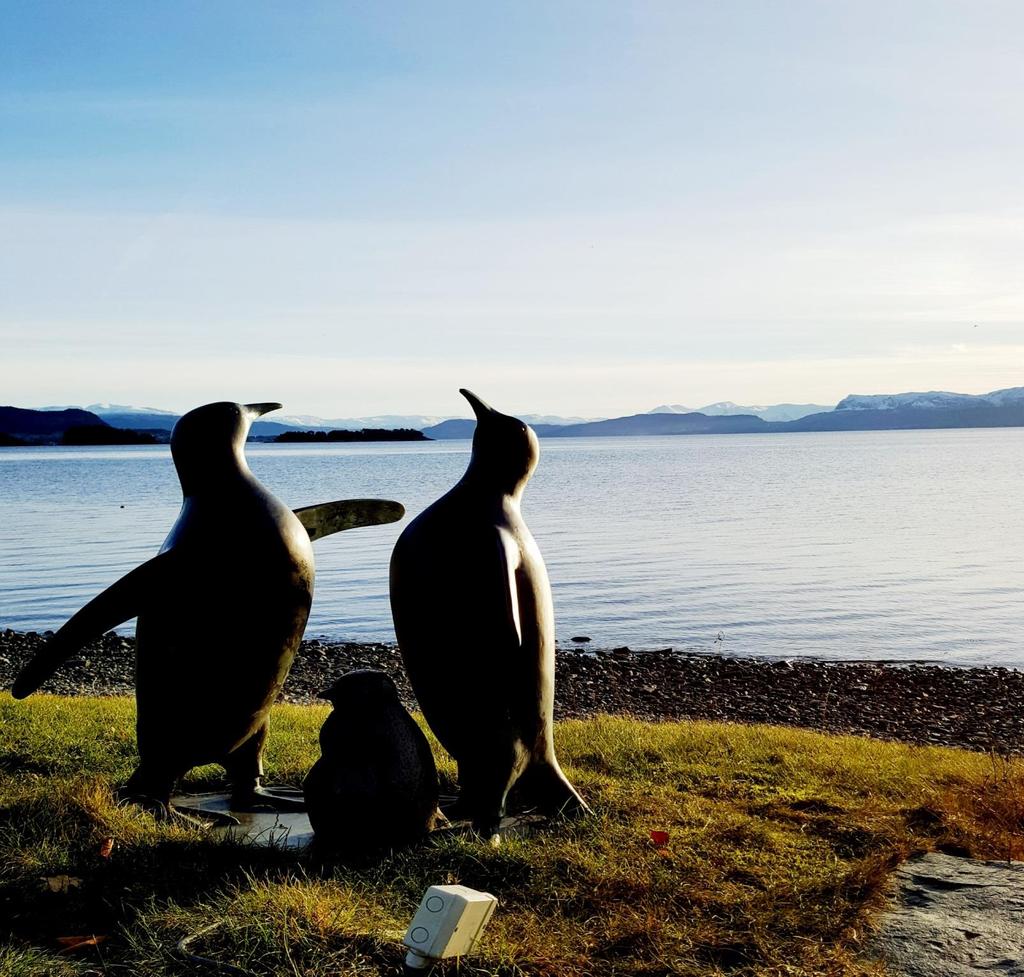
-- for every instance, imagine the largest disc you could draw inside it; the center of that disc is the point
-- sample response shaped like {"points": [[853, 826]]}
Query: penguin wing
{"points": [[118, 603], [335, 517]]}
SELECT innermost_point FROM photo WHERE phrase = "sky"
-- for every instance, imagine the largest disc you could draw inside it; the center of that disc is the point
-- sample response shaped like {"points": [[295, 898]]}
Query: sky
{"points": [[586, 208]]}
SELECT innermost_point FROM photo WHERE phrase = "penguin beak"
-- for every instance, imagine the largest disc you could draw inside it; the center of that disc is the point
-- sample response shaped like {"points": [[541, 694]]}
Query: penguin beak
{"points": [[258, 410], [326, 694], [481, 409]]}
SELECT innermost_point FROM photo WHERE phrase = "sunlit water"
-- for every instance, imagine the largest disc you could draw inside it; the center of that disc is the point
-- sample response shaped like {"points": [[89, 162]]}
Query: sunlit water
{"points": [[894, 545]]}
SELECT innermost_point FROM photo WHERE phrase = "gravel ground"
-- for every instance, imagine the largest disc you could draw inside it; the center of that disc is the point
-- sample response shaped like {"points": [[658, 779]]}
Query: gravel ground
{"points": [[977, 708]]}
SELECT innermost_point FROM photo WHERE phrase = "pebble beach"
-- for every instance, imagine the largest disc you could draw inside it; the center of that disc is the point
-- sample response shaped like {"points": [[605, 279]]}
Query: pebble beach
{"points": [[974, 708]]}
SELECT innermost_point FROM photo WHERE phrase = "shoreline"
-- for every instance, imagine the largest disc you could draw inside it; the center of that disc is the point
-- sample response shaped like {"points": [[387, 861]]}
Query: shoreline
{"points": [[977, 708]]}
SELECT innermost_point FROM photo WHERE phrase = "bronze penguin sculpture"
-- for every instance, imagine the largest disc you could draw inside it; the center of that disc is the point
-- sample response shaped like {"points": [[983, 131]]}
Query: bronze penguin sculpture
{"points": [[375, 784], [472, 609], [221, 610]]}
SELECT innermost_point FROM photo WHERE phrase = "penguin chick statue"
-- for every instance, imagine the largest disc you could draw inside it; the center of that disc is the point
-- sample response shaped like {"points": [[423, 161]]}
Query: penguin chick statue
{"points": [[221, 610], [375, 784], [472, 609]]}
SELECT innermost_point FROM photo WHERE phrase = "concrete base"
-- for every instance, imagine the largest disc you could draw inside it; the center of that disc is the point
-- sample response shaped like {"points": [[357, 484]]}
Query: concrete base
{"points": [[270, 829], [292, 830]]}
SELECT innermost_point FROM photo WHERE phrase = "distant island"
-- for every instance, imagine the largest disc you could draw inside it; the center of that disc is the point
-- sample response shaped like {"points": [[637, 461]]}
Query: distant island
{"points": [[92, 434], [365, 434]]}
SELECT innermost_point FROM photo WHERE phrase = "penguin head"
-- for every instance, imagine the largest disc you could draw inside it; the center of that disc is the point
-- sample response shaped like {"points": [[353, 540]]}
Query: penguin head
{"points": [[207, 443], [505, 449], [362, 689]]}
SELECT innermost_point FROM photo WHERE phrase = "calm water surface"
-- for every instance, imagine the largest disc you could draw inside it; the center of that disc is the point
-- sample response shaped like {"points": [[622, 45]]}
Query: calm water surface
{"points": [[896, 545]]}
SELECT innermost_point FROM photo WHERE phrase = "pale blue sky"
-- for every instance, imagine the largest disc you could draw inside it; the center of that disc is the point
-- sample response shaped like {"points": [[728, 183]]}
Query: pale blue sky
{"points": [[585, 208]]}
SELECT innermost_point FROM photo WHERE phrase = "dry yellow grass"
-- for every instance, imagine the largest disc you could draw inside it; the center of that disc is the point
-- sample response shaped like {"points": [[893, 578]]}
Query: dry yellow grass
{"points": [[779, 841]]}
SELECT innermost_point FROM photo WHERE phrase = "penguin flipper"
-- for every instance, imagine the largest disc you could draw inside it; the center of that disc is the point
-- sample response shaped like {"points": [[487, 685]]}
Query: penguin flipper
{"points": [[120, 602], [335, 517]]}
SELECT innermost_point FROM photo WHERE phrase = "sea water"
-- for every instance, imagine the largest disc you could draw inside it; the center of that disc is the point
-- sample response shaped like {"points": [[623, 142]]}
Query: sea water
{"points": [[856, 545]]}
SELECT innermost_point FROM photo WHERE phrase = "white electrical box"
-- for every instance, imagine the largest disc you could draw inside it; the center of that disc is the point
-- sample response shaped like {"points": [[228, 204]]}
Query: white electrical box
{"points": [[447, 924]]}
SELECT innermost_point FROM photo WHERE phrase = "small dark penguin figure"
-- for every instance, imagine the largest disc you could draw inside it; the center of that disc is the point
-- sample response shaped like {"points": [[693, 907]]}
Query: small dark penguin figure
{"points": [[375, 784]]}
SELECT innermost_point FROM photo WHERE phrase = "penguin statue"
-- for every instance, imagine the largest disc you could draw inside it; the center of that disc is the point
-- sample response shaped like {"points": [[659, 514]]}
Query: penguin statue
{"points": [[221, 610], [472, 609], [375, 784]]}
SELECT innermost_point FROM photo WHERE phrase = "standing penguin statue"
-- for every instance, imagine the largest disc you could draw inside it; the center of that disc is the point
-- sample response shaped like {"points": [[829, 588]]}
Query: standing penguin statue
{"points": [[472, 609], [221, 610], [375, 784]]}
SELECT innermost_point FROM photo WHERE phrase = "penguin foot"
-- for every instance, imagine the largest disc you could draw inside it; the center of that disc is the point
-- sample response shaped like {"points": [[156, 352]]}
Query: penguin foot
{"points": [[284, 800]]}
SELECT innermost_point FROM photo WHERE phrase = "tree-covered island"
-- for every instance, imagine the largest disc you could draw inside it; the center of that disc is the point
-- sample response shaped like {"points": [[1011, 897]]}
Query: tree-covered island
{"points": [[365, 434]]}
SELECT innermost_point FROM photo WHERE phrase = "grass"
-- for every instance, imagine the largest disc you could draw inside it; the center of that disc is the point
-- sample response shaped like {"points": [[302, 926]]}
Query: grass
{"points": [[779, 845]]}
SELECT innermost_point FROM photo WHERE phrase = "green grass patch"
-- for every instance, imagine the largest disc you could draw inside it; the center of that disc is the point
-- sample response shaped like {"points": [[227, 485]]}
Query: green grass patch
{"points": [[779, 844]]}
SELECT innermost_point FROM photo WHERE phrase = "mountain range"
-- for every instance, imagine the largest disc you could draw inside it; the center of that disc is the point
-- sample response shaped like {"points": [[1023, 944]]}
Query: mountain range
{"points": [[1001, 408], [857, 412]]}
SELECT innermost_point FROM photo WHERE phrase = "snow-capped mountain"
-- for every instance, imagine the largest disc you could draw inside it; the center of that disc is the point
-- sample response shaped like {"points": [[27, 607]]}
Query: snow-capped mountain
{"points": [[101, 409], [726, 408], [555, 419], [931, 400], [672, 409], [1009, 395], [133, 418], [771, 412]]}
